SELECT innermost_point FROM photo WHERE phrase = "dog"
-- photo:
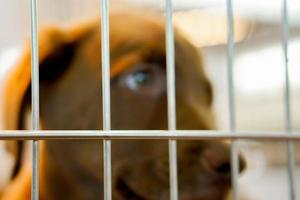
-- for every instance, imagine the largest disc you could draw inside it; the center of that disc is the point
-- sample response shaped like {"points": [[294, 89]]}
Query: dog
{"points": [[71, 99]]}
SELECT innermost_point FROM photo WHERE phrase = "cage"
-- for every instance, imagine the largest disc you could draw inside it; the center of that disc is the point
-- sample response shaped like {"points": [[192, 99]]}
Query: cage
{"points": [[246, 78]]}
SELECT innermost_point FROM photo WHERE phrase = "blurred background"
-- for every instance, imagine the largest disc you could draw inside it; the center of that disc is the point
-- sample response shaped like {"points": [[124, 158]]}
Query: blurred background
{"points": [[258, 69]]}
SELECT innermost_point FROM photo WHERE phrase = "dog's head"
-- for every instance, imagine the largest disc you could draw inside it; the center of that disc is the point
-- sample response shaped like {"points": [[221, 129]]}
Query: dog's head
{"points": [[71, 99]]}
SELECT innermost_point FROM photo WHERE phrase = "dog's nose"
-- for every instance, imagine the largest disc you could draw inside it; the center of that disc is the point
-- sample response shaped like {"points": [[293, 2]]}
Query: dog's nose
{"points": [[216, 158]]}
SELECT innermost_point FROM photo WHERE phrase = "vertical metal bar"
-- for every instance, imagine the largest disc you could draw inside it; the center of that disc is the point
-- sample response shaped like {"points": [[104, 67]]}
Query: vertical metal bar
{"points": [[106, 96], [231, 96], [35, 98], [171, 99], [287, 105]]}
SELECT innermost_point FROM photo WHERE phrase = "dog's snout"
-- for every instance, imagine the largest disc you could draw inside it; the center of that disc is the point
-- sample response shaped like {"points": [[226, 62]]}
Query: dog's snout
{"points": [[217, 158]]}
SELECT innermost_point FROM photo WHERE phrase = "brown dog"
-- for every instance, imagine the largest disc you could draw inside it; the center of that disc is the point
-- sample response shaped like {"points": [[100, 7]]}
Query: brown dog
{"points": [[70, 99]]}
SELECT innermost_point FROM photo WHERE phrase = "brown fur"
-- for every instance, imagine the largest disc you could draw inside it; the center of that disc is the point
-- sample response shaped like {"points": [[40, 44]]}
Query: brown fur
{"points": [[70, 99]]}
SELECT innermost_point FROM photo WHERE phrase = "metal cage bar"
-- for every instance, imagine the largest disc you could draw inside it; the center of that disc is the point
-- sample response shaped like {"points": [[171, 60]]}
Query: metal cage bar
{"points": [[170, 58], [147, 134], [231, 98], [287, 105], [35, 98], [106, 97]]}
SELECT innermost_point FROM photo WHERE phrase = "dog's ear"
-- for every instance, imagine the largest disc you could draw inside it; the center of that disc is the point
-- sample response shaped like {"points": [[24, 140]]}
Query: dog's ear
{"points": [[56, 49], [18, 81]]}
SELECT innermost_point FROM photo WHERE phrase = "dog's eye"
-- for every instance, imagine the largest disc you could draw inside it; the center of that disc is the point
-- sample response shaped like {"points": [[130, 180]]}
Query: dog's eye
{"points": [[139, 79], [145, 78]]}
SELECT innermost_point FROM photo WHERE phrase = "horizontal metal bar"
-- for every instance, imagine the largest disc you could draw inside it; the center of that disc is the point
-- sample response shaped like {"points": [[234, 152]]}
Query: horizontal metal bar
{"points": [[146, 134]]}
